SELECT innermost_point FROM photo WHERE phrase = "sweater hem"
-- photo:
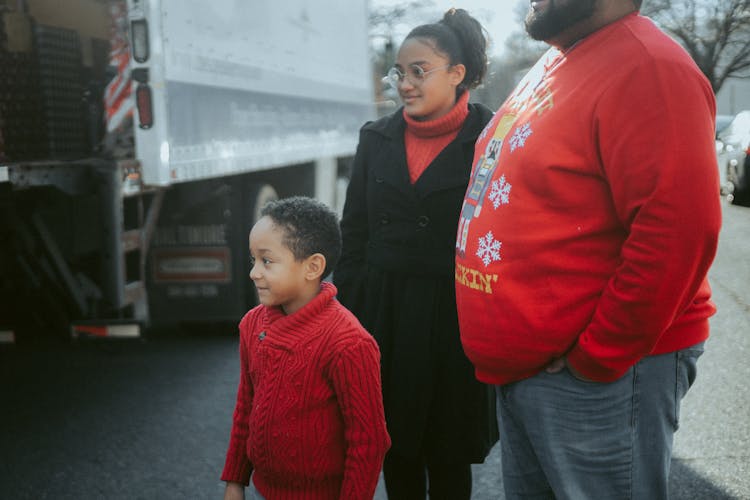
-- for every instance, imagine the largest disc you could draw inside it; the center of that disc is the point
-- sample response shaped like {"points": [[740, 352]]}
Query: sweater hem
{"points": [[311, 490], [674, 340]]}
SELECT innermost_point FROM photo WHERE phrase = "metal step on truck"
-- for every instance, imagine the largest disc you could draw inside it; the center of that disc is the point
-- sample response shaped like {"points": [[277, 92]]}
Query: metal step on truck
{"points": [[139, 139]]}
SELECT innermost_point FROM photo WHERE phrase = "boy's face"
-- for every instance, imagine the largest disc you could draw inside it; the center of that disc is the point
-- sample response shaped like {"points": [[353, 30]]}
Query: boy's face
{"points": [[277, 275]]}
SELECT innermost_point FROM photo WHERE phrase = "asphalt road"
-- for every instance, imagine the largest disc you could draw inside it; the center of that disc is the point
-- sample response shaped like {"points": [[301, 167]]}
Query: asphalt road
{"points": [[712, 447], [150, 419]]}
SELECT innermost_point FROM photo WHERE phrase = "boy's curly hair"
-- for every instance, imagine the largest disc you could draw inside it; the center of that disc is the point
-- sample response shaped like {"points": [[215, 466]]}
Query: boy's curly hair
{"points": [[310, 227]]}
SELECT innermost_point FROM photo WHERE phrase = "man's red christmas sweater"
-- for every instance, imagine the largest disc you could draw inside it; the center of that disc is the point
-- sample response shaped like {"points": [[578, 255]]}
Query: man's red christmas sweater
{"points": [[593, 213]]}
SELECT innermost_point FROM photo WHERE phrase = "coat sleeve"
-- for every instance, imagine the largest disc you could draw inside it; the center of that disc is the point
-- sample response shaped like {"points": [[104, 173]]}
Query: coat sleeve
{"points": [[350, 275], [356, 381], [237, 467], [659, 159]]}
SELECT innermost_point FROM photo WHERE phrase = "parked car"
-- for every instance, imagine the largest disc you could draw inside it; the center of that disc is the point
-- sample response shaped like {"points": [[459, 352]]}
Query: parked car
{"points": [[722, 121], [733, 155]]}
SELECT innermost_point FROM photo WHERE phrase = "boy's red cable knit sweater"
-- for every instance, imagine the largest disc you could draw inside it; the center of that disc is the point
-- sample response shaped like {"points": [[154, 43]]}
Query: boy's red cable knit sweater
{"points": [[309, 420]]}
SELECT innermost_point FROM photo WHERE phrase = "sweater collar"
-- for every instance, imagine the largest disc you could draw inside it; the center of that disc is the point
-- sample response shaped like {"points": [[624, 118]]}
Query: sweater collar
{"points": [[393, 126], [288, 330], [450, 122]]}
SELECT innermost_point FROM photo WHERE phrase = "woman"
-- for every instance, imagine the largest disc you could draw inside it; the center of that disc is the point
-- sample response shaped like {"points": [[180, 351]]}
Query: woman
{"points": [[397, 270]]}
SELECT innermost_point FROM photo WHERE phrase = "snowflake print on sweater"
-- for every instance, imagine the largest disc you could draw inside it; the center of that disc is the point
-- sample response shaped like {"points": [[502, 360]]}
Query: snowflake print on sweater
{"points": [[489, 249], [518, 140], [500, 192]]}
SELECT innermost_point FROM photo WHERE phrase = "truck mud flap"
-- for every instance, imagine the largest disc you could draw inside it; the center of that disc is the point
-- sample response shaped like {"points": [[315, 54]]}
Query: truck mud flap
{"points": [[103, 331], [7, 337]]}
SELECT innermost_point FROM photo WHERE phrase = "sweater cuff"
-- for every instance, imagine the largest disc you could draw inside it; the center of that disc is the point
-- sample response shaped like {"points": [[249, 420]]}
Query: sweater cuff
{"points": [[237, 469], [588, 366]]}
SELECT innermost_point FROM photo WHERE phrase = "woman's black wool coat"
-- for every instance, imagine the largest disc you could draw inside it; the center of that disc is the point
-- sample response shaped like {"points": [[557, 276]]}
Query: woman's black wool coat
{"points": [[396, 274]]}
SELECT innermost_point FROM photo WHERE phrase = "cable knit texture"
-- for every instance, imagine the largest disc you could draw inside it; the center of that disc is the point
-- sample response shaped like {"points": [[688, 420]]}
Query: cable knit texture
{"points": [[309, 420], [425, 140]]}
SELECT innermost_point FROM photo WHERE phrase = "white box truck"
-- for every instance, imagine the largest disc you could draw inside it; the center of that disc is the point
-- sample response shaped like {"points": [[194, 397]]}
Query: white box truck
{"points": [[139, 138]]}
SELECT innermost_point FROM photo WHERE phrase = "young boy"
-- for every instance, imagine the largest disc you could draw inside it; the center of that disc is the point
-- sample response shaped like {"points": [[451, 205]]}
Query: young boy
{"points": [[309, 417]]}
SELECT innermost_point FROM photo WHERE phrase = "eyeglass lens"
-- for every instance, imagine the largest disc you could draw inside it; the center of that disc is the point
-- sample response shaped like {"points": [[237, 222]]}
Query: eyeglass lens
{"points": [[415, 74]]}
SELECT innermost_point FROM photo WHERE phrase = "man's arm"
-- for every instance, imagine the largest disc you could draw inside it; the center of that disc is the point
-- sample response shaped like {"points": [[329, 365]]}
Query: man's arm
{"points": [[655, 131]]}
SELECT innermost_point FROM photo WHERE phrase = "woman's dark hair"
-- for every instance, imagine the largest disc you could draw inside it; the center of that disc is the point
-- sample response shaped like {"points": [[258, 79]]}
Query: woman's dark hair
{"points": [[463, 40], [310, 227]]}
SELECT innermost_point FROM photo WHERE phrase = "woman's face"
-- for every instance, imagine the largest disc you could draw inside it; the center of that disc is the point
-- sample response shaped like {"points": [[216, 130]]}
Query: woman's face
{"points": [[435, 94]]}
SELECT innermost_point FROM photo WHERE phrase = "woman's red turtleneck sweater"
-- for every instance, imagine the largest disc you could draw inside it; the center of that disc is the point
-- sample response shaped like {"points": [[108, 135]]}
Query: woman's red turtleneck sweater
{"points": [[425, 139]]}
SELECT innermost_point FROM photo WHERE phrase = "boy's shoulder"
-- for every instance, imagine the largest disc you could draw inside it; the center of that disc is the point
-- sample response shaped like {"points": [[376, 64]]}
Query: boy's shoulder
{"points": [[346, 327], [348, 322], [252, 319]]}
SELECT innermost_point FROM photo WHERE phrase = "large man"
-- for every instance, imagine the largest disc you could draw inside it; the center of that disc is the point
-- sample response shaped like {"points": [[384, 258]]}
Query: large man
{"points": [[581, 285]]}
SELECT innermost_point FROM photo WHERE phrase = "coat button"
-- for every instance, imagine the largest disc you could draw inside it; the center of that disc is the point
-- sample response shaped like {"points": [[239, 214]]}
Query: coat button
{"points": [[379, 180], [384, 218], [423, 221]]}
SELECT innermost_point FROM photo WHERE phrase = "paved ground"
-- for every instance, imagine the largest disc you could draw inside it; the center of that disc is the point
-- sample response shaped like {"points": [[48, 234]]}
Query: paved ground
{"points": [[713, 443], [150, 420], [121, 421]]}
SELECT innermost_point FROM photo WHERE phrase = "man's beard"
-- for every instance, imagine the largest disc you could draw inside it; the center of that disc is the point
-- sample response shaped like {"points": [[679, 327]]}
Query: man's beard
{"points": [[557, 18]]}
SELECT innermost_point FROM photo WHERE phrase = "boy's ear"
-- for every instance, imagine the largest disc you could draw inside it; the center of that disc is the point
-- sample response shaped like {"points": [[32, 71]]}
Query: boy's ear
{"points": [[315, 265]]}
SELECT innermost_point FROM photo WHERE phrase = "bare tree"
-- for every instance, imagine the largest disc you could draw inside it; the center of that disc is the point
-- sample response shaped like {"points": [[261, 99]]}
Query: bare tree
{"points": [[385, 18], [387, 24], [386, 21], [521, 52], [716, 33]]}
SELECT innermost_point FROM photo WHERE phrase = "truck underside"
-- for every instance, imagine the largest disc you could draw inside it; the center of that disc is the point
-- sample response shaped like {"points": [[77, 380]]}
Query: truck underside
{"points": [[85, 255]]}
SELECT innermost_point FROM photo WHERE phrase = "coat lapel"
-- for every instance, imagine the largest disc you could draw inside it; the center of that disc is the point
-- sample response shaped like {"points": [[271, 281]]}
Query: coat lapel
{"points": [[452, 166], [389, 162], [450, 169]]}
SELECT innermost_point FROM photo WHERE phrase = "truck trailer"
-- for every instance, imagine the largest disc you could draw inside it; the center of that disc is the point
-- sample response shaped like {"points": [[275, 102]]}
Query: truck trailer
{"points": [[139, 140]]}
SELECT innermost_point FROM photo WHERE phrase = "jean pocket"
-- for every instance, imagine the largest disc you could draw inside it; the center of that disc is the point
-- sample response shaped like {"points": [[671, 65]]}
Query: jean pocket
{"points": [[578, 379], [686, 370]]}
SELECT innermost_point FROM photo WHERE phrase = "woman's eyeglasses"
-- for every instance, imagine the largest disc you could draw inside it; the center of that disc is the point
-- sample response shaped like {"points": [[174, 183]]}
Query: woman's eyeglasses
{"points": [[414, 73]]}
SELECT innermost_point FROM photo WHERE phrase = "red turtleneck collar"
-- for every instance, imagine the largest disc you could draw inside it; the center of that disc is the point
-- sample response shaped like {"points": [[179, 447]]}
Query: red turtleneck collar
{"points": [[424, 140], [288, 330]]}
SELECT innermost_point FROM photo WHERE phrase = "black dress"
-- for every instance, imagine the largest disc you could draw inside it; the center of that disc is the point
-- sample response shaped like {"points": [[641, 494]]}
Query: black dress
{"points": [[397, 275]]}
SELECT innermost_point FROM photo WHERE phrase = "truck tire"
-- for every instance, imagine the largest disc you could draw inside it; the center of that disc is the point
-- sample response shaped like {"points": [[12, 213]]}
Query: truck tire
{"points": [[259, 195], [739, 193], [740, 197]]}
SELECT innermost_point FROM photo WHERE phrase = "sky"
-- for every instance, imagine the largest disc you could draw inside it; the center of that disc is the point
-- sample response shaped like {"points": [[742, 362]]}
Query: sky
{"points": [[497, 16]]}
